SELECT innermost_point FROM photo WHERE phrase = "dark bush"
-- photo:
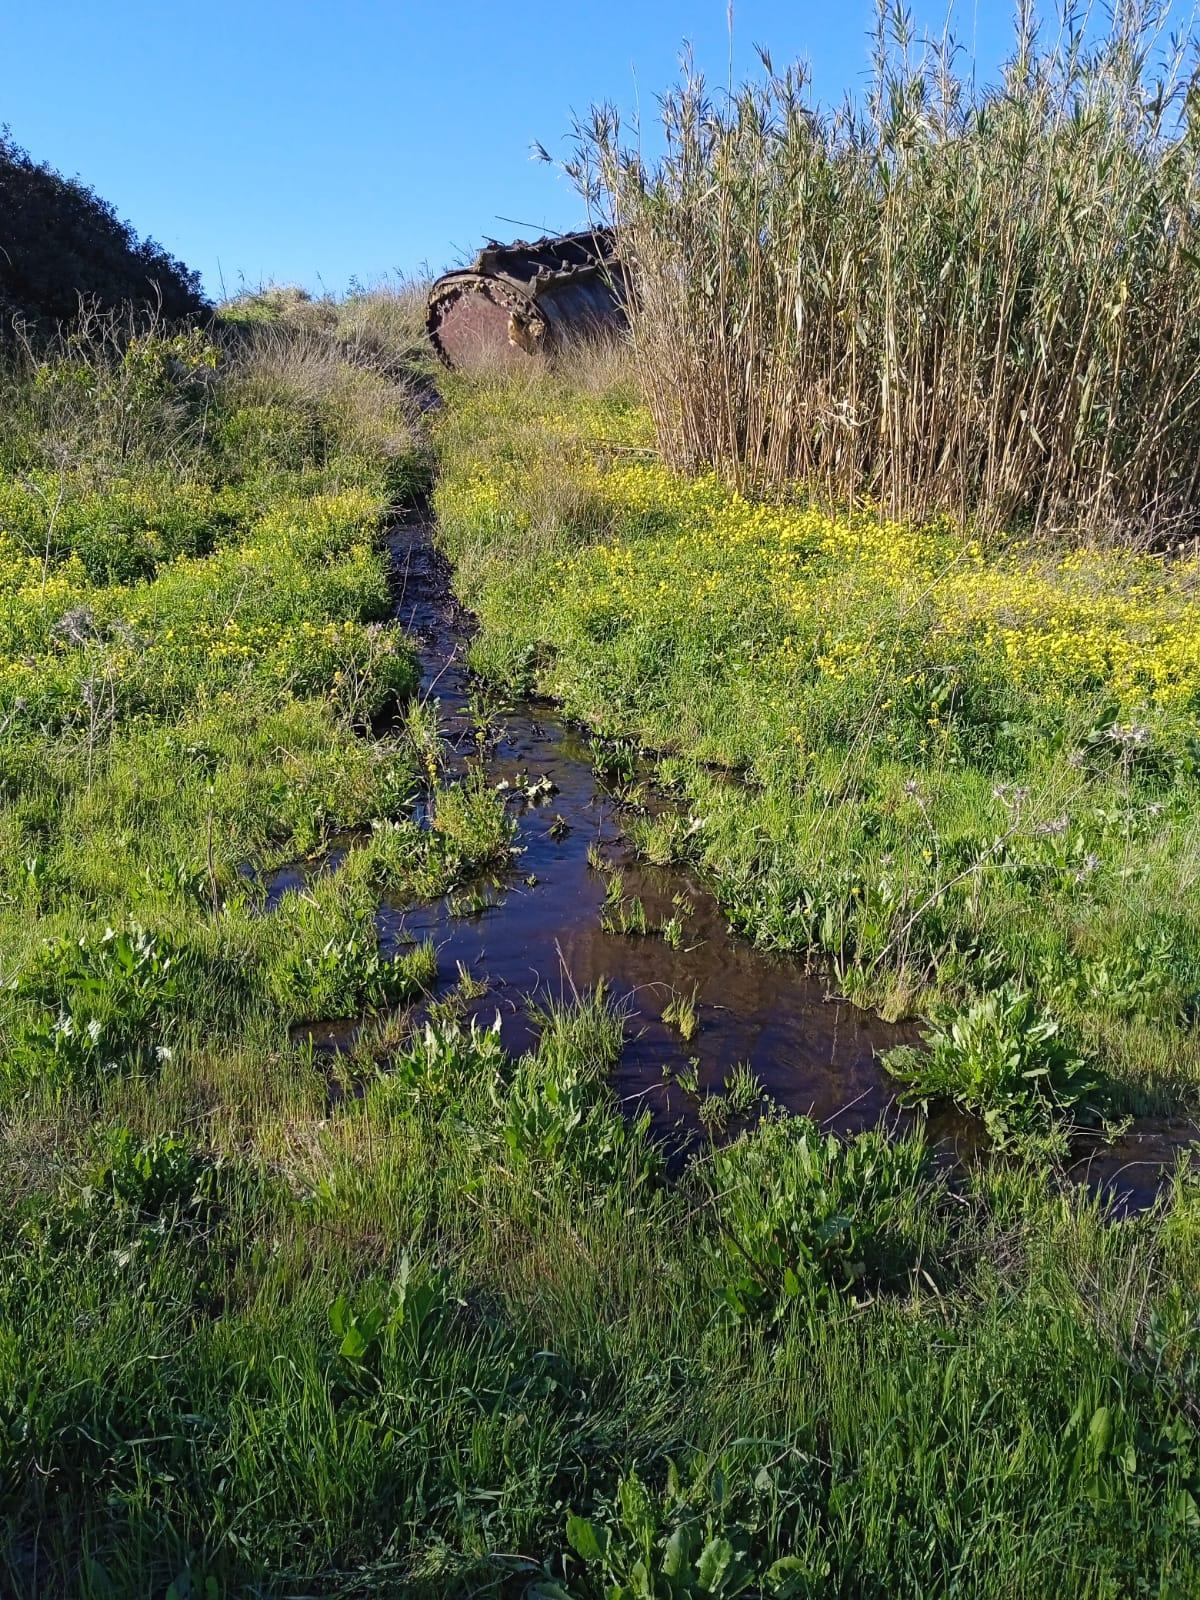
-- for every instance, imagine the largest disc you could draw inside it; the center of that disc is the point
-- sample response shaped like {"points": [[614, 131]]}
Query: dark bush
{"points": [[60, 241]]}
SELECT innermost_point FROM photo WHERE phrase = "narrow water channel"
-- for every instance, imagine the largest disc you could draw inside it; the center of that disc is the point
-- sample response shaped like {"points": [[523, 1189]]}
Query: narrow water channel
{"points": [[542, 932], [537, 933]]}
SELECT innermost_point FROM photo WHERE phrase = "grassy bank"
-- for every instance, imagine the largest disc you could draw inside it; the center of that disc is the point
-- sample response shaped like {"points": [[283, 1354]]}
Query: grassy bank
{"points": [[429, 1320], [959, 767]]}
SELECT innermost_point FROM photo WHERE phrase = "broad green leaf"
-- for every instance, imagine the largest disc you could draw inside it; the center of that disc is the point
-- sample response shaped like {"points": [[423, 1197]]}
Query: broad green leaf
{"points": [[787, 1577], [1185, 1511], [587, 1540], [354, 1345], [674, 1554], [1100, 1431], [715, 1560]]}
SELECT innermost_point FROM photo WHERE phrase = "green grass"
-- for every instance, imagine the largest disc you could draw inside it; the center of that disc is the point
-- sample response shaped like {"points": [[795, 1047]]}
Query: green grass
{"points": [[428, 1319], [386, 1348], [942, 767]]}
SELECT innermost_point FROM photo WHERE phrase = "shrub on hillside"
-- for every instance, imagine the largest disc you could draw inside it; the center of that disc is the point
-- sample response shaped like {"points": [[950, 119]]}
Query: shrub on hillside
{"points": [[59, 241]]}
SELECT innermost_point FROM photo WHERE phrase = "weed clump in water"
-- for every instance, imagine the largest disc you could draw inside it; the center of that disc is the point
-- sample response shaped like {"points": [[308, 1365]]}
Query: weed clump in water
{"points": [[1008, 1063]]}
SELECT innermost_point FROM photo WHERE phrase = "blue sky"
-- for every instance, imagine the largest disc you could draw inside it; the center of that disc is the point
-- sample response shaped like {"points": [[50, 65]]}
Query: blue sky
{"points": [[315, 142]]}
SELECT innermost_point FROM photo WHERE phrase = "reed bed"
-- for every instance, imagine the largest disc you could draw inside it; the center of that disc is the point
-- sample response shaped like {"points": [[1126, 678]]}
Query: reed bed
{"points": [[939, 296]]}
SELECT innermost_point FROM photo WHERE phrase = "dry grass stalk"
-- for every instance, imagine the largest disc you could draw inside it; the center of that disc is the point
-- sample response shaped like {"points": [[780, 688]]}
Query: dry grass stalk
{"points": [[943, 299]]}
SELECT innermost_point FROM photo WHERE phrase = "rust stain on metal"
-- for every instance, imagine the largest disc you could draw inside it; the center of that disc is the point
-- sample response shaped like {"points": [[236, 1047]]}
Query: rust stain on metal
{"points": [[522, 299]]}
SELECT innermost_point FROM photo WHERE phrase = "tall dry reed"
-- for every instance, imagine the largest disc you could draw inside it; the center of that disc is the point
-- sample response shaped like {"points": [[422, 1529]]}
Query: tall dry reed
{"points": [[943, 297]]}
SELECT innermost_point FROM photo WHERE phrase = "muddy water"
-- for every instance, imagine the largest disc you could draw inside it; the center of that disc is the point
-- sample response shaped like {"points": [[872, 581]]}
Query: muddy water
{"points": [[541, 934], [1133, 1169], [537, 933]]}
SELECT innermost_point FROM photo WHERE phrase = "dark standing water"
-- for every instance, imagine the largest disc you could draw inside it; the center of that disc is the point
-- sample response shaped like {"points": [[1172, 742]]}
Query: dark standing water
{"points": [[539, 935], [542, 934]]}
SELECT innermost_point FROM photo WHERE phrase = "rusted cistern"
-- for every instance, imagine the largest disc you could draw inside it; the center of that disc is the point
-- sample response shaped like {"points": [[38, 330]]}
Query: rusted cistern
{"points": [[523, 299]]}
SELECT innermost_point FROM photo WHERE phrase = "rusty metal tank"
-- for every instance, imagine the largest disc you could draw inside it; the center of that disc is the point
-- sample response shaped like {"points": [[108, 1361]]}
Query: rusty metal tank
{"points": [[528, 298]]}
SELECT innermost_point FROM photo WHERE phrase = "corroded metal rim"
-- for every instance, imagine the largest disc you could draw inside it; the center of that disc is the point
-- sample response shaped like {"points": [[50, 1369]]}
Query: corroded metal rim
{"points": [[522, 313], [575, 277]]}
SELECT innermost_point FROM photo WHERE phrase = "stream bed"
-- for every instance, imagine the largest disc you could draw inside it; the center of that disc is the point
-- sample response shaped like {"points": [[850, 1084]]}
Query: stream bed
{"points": [[537, 933]]}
